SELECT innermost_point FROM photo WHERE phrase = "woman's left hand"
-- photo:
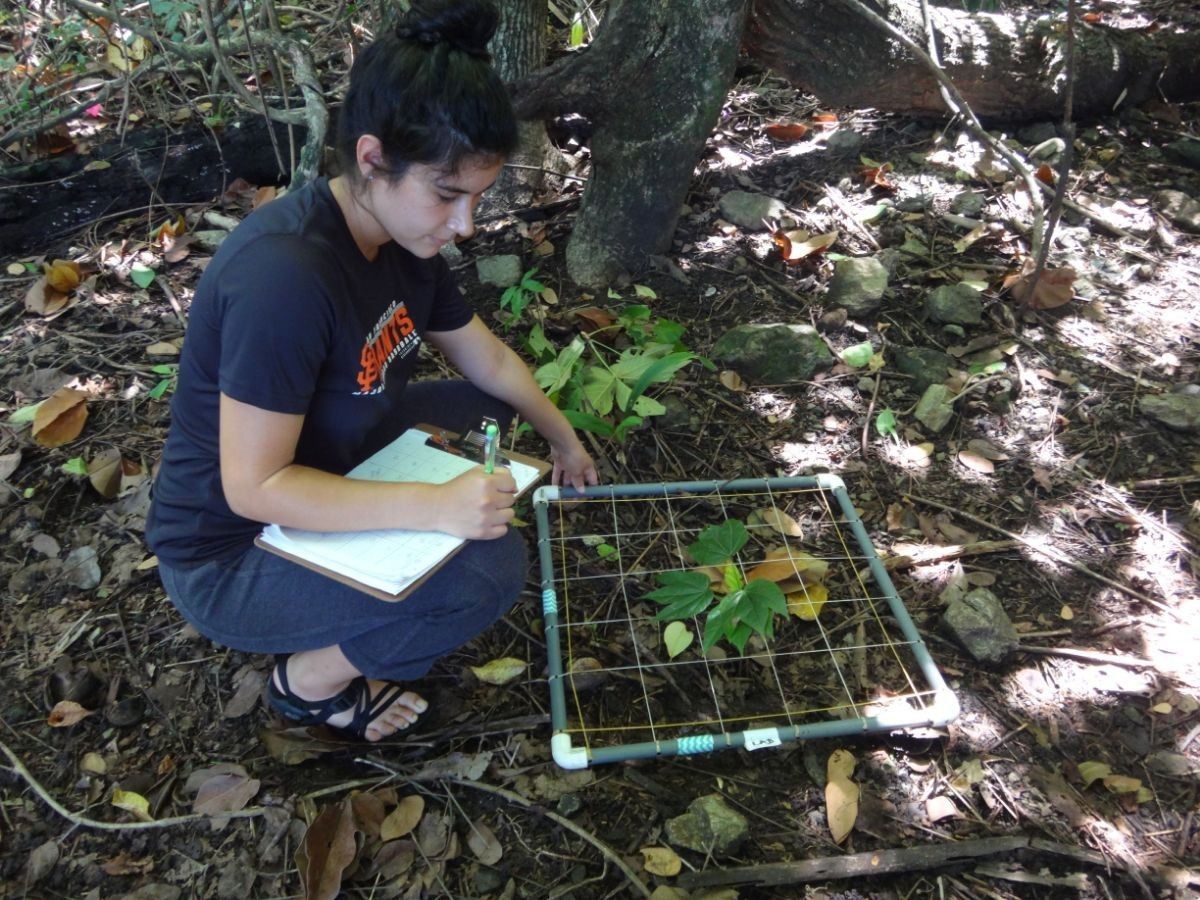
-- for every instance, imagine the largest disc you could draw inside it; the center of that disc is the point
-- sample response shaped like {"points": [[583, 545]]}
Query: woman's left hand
{"points": [[572, 464]]}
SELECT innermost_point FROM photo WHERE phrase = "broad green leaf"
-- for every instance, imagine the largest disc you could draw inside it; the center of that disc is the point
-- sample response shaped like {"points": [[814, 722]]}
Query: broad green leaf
{"points": [[668, 332], [662, 370], [1091, 770], [767, 595], [857, 355], [647, 406], [678, 637], [577, 32], [538, 344], [588, 422], [718, 543], [721, 620], [604, 551], [164, 369], [885, 422], [24, 415], [683, 594], [553, 376], [599, 386], [160, 389], [625, 426], [642, 291], [142, 276], [75, 466], [613, 295]]}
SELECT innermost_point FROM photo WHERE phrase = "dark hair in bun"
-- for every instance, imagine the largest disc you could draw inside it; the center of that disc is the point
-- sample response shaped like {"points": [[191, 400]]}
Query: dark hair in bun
{"points": [[427, 90]]}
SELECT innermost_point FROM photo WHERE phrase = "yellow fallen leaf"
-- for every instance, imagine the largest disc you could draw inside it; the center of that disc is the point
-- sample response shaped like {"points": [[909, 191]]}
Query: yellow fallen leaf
{"points": [[776, 519], [732, 380], [661, 861], [809, 568], [1122, 784], [500, 671], [403, 819], [132, 802], [1091, 771], [1066, 613], [806, 604], [1163, 709], [63, 275]]}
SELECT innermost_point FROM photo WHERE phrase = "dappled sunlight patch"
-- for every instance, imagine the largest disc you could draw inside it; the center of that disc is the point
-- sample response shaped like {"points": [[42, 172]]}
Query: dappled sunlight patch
{"points": [[771, 406], [800, 458]]}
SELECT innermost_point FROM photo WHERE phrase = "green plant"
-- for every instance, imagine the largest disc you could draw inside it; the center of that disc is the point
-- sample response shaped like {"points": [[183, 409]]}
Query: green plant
{"points": [[601, 389], [517, 297], [166, 383], [747, 607]]}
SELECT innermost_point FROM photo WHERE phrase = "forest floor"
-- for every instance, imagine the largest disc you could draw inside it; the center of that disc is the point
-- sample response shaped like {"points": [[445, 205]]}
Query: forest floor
{"points": [[1074, 759]]}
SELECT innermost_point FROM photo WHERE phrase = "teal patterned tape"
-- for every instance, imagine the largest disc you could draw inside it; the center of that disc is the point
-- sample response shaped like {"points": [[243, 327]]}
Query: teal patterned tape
{"points": [[549, 603], [700, 743]]}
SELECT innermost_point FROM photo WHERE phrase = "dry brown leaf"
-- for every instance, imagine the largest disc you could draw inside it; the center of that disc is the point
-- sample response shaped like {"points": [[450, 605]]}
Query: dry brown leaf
{"points": [[797, 246], [841, 807], [809, 568], [975, 462], [369, 813], [773, 570], [66, 713], [1055, 287], [327, 849], [987, 450], [592, 318], [403, 819], [263, 196], [777, 519], [786, 131], [124, 864], [483, 843], [60, 418], [224, 794], [732, 380], [825, 120], [1045, 174], [42, 299], [104, 472], [162, 348]]}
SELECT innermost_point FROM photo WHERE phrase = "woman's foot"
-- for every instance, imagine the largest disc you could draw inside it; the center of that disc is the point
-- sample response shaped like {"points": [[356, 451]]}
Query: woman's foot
{"points": [[305, 691]]}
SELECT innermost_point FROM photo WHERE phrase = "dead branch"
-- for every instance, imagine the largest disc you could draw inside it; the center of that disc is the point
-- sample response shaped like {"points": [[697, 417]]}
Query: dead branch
{"points": [[882, 862]]}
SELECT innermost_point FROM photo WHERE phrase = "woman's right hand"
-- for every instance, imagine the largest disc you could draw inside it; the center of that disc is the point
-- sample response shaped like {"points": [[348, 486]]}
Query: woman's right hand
{"points": [[476, 505]]}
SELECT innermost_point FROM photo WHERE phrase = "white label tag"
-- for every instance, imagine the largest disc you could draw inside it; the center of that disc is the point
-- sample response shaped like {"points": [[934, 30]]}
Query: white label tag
{"points": [[759, 738]]}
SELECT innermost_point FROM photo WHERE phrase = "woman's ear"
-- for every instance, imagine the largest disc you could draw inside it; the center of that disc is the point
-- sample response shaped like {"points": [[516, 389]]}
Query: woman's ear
{"points": [[368, 155]]}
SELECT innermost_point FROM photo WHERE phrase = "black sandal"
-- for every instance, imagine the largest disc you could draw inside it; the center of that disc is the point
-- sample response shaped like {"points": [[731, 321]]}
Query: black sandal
{"points": [[356, 695]]}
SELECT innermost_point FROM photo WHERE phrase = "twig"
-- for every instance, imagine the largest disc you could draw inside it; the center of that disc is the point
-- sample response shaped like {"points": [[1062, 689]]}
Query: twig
{"points": [[1050, 553], [85, 822], [1129, 662]]}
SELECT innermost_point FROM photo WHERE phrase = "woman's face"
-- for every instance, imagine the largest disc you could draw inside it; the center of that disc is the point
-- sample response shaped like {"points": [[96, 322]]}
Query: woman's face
{"points": [[429, 207]]}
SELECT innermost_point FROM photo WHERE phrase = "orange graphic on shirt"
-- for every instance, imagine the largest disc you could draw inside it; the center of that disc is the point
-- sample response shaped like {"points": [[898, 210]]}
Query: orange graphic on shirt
{"points": [[386, 342]]}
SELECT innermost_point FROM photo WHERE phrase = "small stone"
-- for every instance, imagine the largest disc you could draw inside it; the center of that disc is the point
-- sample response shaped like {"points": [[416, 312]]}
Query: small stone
{"points": [[968, 203], [709, 825], [209, 238], [502, 271], [1048, 149], [955, 304], [1181, 209], [1185, 151], [487, 880], [1179, 411], [981, 625], [934, 409], [857, 285], [568, 805], [915, 204], [82, 568], [845, 143], [773, 353], [924, 365], [747, 210]]}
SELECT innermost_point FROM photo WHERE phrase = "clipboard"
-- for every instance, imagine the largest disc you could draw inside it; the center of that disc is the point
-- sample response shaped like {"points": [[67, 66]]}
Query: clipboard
{"points": [[423, 453]]}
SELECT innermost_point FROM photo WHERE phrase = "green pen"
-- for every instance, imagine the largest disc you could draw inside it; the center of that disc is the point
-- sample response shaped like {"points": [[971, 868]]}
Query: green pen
{"points": [[489, 449]]}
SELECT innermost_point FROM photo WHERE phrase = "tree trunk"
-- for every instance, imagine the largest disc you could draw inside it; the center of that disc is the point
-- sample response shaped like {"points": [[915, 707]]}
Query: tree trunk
{"points": [[518, 49], [652, 83], [1006, 67]]}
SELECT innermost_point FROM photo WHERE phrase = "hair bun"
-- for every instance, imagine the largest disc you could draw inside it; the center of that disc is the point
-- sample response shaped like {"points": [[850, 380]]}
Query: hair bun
{"points": [[464, 25]]}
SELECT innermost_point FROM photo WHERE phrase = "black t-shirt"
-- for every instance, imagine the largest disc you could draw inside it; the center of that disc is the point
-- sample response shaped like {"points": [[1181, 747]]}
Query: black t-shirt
{"points": [[290, 317]]}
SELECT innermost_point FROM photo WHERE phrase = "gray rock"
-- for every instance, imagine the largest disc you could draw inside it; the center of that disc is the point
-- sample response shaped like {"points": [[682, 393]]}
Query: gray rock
{"points": [[1181, 209], [1185, 151], [1178, 411], [502, 271], [890, 258], [924, 365], [934, 409], [968, 203], [746, 210], [844, 143], [1036, 133], [82, 568], [857, 285], [1048, 149], [773, 353], [979, 622], [954, 304], [915, 203], [209, 238], [709, 825]]}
